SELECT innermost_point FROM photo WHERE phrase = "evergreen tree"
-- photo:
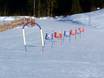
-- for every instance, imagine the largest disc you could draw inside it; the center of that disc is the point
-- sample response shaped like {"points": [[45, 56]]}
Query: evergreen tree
{"points": [[48, 7], [76, 8]]}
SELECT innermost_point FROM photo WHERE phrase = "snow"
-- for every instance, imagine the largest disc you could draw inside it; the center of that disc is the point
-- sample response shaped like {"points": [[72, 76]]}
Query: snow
{"points": [[88, 19], [76, 58]]}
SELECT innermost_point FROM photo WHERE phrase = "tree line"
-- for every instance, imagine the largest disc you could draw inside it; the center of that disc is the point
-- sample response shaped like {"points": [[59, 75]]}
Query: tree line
{"points": [[47, 7]]}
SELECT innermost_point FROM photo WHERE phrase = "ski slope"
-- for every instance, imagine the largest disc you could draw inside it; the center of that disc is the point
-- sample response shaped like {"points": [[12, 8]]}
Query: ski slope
{"points": [[78, 58]]}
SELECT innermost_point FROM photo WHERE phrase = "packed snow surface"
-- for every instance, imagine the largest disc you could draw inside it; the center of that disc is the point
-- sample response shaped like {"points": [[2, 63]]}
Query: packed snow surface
{"points": [[82, 57]]}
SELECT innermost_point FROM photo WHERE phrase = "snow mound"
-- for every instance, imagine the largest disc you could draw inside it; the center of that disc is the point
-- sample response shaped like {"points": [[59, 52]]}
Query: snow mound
{"points": [[6, 18], [11, 18], [94, 18]]}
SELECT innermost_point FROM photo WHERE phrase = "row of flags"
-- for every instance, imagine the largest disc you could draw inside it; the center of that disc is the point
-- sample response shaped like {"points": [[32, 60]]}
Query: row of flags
{"points": [[60, 36]]}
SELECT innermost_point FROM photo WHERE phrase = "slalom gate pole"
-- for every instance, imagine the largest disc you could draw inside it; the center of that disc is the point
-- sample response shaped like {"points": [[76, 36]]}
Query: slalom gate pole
{"points": [[42, 37], [41, 33], [24, 38]]}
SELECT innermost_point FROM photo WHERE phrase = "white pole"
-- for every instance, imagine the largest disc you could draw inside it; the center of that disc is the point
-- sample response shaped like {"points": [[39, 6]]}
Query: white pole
{"points": [[42, 37], [24, 38]]}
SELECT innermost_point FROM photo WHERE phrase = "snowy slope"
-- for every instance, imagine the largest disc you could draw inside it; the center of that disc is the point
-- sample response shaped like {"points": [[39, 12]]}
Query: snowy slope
{"points": [[94, 19], [80, 58]]}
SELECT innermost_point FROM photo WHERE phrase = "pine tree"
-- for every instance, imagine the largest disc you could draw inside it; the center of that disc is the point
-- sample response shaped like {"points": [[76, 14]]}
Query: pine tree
{"points": [[76, 8], [51, 5]]}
